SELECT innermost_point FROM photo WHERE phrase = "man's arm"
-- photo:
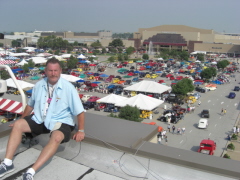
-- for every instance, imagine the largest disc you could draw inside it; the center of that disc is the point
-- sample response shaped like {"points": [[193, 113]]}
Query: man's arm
{"points": [[27, 111], [79, 135]]}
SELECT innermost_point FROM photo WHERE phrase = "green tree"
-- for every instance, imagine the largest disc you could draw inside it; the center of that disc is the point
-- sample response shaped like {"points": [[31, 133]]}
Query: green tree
{"points": [[116, 43], [130, 113], [184, 55], [111, 59], [104, 50], [96, 51], [200, 57], [222, 64], [130, 50], [75, 43], [25, 68], [1, 44], [15, 43], [120, 50], [72, 62], [91, 59], [120, 57], [145, 56], [31, 64], [126, 57], [183, 87], [208, 73], [96, 44], [62, 64], [4, 75], [57, 52]]}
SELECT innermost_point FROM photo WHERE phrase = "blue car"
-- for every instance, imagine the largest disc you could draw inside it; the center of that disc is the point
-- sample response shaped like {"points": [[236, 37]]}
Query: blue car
{"points": [[232, 95]]}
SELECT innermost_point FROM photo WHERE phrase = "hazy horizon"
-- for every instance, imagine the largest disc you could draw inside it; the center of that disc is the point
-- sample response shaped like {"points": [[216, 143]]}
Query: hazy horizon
{"points": [[117, 16]]}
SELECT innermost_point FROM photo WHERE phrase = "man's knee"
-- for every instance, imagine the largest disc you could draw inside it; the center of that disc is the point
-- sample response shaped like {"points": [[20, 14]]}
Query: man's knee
{"points": [[57, 136], [21, 125]]}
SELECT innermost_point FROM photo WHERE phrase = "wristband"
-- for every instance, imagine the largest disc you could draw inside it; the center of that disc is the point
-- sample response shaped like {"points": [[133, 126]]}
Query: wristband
{"points": [[81, 130]]}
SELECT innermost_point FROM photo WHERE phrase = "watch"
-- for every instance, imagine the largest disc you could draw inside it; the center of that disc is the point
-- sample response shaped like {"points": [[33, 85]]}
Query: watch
{"points": [[82, 130]]}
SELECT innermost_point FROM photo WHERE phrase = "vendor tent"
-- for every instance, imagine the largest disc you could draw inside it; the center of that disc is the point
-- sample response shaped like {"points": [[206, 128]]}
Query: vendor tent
{"points": [[3, 62], [10, 106], [70, 78], [142, 102], [148, 86], [66, 56], [20, 54], [81, 56], [22, 63], [38, 60], [111, 99], [22, 84]]}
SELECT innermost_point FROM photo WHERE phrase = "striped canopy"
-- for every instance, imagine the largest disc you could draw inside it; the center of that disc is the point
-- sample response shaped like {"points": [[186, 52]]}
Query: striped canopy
{"points": [[3, 62]]}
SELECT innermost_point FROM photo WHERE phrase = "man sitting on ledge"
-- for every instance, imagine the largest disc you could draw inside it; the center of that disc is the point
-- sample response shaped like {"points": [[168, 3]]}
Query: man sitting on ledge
{"points": [[55, 102]]}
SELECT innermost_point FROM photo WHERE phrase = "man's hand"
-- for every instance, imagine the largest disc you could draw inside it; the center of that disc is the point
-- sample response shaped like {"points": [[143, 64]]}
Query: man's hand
{"points": [[78, 136], [11, 125]]}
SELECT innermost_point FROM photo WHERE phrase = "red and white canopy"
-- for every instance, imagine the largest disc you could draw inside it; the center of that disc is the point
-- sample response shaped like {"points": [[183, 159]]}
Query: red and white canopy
{"points": [[10, 106], [2, 62]]}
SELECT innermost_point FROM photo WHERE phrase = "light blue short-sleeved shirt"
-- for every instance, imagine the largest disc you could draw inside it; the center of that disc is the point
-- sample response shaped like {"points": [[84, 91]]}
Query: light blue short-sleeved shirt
{"points": [[64, 106]]}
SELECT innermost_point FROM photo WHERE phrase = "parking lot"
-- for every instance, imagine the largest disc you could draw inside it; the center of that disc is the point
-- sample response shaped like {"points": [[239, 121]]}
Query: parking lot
{"points": [[219, 126]]}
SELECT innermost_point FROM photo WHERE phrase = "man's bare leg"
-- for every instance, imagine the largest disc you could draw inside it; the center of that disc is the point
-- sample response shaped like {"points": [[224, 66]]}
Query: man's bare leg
{"points": [[49, 150], [19, 127]]}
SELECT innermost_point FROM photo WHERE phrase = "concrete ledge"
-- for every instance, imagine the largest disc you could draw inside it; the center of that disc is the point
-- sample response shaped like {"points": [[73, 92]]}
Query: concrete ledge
{"points": [[5, 129]]}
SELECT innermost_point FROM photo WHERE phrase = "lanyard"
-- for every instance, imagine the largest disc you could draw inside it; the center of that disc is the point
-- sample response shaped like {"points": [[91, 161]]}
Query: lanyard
{"points": [[49, 97]]}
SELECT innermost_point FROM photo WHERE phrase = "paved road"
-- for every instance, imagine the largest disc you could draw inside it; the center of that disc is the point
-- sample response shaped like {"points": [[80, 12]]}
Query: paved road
{"points": [[219, 125]]}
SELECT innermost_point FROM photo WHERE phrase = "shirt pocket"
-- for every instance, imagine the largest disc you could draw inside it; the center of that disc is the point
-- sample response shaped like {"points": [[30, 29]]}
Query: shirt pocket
{"points": [[61, 108]]}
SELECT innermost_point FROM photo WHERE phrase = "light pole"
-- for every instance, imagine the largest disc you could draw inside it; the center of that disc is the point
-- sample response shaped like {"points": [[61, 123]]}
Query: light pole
{"points": [[137, 43]]}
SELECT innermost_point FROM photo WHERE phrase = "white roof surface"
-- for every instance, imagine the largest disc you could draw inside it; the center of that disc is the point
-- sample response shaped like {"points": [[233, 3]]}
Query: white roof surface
{"points": [[143, 102], [22, 84], [70, 78], [112, 99], [148, 86]]}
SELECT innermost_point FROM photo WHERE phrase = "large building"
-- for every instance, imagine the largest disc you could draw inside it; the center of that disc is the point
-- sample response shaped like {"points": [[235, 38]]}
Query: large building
{"points": [[187, 38]]}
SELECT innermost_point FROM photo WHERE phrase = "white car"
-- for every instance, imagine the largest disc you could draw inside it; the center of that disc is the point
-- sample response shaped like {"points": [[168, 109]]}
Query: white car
{"points": [[203, 123], [86, 97], [211, 88]]}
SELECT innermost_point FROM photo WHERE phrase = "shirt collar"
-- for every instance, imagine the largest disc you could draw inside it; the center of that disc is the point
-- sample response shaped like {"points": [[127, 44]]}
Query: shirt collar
{"points": [[58, 85]]}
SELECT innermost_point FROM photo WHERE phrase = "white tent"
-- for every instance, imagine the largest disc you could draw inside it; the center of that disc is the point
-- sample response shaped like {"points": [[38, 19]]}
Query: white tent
{"points": [[81, 56], [43, 54], [111, 99], [60, 58], [20, 54], [70, 78], [22, 63], [66, 55], [38, 60], [148, 86], [142, 102], [22, 84]]}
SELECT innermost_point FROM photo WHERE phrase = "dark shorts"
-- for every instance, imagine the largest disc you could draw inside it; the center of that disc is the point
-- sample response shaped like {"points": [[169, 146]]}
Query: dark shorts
{"points": [[37, 129]]}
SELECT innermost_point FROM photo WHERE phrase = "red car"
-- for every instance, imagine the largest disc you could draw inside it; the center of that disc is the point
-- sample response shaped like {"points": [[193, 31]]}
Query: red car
{"points": [[93, 99], [172, 78], [179, 77], [161, 81], [168, 75]]}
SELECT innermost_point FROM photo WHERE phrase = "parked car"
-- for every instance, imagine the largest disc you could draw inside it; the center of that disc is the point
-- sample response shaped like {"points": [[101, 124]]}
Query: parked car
{"points": [[197, 95], [200, 89], [236, 88], [210, 88], [232, 95], [109, 108], [205, 113], [88, 105], [85, 97], [207, 146], [93, 99], [175, 117], [203, 123]]}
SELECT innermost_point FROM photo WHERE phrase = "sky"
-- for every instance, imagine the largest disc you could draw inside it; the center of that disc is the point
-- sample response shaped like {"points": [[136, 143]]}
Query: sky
{"points": [[118, 16]]}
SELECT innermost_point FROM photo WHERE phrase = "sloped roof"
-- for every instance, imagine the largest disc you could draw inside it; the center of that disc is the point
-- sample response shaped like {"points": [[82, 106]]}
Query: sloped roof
{"points": [[148, 86], [143, 102], [112, 99]]}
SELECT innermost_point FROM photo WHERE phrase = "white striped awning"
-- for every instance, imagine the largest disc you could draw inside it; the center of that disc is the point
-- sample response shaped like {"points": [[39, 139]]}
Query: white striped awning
{"points": [[2, 62], [10, 106]]}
